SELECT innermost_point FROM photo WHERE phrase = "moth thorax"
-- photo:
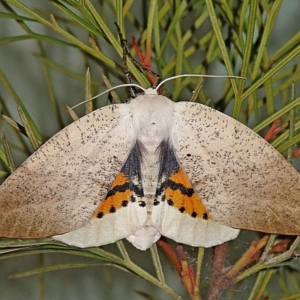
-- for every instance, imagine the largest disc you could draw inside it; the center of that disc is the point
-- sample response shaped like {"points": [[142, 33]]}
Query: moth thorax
{"points": [[152, 118]]}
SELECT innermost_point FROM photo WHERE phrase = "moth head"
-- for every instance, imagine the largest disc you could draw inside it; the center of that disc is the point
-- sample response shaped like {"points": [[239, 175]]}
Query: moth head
{"points": [[152, 117]]}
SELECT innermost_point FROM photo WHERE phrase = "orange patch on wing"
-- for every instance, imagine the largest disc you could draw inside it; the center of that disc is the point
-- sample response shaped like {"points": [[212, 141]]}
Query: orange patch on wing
{"points": [[192, 202], [116, 198], [181, 177], [121, 179]]}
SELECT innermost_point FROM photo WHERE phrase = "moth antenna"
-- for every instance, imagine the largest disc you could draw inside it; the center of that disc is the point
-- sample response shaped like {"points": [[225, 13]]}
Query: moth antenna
{"points": [[108, 90], [196, 75], [126, 53]]}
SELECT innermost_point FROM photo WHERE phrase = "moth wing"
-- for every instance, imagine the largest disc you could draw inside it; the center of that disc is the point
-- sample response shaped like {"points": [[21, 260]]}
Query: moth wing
{"points": [[121, 213], [243, 181], [179, 214], [58, 188], [115, 226], [195, 232]]}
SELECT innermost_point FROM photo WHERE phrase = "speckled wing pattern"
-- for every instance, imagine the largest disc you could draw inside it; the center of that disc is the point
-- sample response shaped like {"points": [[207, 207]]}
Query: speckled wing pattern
{"points": [[59, 187], [242, 180], [151, 167], [120, 213]]}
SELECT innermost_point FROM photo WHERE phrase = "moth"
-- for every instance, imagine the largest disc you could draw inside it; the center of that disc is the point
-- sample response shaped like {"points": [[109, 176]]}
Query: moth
{"points": [[147, 168]]}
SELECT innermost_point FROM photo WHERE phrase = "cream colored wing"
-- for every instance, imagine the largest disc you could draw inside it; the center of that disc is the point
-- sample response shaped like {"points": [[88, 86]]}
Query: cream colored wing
{"points": [[58, 188], [178, 212], [242, 180], [120, 214]]}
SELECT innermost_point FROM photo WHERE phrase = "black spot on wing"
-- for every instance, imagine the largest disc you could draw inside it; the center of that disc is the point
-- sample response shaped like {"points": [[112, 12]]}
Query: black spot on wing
{"points": [[112, 209], [100, 215], [194, 214], [182, 209], [124, 203]]}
